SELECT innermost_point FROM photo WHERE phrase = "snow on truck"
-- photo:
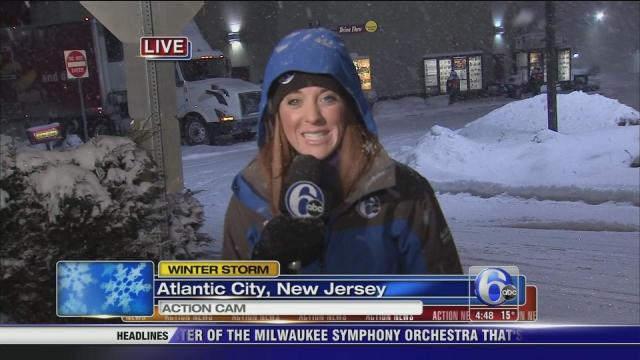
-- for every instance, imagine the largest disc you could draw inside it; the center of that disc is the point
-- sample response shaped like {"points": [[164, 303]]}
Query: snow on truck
{"points": [[34, 89]]}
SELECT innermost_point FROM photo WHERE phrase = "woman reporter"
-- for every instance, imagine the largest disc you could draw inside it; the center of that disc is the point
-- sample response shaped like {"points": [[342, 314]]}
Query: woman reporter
{"points": [[378, 216]]}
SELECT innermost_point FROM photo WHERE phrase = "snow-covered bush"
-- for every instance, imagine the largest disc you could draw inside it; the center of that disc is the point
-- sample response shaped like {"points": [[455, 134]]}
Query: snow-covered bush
{"points": [[99, 201]]}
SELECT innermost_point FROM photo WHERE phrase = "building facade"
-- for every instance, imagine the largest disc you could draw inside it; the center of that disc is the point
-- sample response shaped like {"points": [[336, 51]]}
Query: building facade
{"points": [[393, 38], [400, 48]]}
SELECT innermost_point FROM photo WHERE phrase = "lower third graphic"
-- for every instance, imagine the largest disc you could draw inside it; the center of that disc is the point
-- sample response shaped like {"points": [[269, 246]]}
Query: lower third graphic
{"points": [[107, 288]]}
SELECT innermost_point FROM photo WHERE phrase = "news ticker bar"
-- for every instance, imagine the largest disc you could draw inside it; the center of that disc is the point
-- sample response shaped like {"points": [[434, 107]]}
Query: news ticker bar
{"points": [[321, 334]]}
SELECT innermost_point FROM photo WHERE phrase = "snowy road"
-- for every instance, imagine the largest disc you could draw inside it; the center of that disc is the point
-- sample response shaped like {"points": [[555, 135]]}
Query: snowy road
{"points": [[583, 277], [584, 258]]}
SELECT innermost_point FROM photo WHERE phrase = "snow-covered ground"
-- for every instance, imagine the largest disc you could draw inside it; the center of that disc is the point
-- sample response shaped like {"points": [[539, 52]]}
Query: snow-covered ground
{"points": [[504, 152], [209, 170], [622, 86], [510, 150]]}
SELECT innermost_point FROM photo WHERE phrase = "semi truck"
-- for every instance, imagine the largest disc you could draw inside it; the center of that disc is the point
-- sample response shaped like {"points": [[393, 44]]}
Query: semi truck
{"points": [[34, 89]]}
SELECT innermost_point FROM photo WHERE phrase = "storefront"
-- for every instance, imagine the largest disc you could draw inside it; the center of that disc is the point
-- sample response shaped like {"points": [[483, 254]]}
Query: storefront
{"points": [[468, 66], [363, 67], [528, 60]]}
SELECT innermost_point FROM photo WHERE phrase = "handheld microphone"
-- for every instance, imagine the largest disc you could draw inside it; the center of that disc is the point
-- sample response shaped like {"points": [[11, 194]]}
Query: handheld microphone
{"points": [[303, 197], [296, 238]]}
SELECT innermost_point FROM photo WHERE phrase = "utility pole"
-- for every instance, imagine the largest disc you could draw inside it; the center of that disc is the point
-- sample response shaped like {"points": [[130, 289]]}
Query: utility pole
{"points": [[151, 92], [552, 65]]}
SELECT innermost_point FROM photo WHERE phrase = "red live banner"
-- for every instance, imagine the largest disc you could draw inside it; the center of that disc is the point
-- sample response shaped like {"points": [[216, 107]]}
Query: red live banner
{"points": [[165, 47]]}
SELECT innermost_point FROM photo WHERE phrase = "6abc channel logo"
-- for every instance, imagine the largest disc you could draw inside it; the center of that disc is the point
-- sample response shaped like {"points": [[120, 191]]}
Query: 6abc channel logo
{"points": [[494, 286], [304, 199]]}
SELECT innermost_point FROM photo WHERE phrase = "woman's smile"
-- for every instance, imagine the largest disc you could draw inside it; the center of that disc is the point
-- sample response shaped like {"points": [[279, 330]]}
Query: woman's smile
{"points": [[313, 120]]}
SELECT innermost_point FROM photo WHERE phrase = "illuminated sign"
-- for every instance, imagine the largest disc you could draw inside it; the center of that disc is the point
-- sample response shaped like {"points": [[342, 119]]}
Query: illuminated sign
{"points": [[370, 26], [165, 48], [363, 67], [44, 133], [350, 29], [47, 134], [459, 63]]}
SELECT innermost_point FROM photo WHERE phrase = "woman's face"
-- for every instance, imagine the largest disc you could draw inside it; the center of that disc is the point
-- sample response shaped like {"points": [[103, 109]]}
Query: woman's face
{"points": [[313, 119]]}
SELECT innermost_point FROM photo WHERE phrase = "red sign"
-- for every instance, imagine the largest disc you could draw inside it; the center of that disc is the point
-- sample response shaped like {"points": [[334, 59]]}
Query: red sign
{"points": [[76, 63], [165, 47]]}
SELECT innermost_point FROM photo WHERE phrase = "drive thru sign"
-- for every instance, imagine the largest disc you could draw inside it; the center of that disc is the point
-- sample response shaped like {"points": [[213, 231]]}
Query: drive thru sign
{"points": [[76, 63]]}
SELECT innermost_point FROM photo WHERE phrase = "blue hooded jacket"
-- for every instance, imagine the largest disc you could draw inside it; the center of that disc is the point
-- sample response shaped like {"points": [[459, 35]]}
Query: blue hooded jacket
{"points": [[391, 223], [315, 51]]}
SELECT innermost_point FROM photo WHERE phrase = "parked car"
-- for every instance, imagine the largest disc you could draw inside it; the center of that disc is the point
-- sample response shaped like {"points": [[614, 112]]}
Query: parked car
{"points": [[585, 79], [515, 86], [586, 82]]}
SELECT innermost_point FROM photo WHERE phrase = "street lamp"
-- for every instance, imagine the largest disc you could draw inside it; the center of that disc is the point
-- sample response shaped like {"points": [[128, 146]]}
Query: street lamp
{"points": [[599, 15], [233, 37]]}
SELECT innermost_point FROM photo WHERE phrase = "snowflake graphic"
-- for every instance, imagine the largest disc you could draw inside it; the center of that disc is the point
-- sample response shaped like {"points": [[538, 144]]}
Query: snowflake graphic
{"points": [[73, 306], [75, 276], [123, 283]]}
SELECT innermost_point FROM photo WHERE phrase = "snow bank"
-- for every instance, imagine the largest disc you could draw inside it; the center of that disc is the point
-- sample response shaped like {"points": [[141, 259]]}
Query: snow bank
{"points": [[510, 151], [577, 112]]}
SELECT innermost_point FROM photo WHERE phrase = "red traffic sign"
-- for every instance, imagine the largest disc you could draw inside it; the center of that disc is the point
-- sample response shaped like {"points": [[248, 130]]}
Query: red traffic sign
{"points": [[76, 63]]}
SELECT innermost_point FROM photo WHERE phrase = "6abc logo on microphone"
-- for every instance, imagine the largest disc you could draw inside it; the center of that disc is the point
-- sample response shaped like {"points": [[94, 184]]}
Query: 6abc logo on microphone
{"points": [[493, 288], [304, 199]]}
